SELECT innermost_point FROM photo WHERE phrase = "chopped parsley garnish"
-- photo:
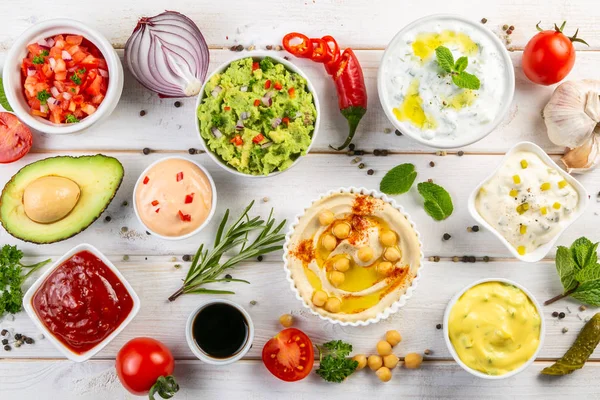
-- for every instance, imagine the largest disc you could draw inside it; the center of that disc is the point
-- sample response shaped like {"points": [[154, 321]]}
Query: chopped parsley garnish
{"points": [[38, 60], [81, 71], [71, 119], [72, 90], [76, 79], [43, 96]]}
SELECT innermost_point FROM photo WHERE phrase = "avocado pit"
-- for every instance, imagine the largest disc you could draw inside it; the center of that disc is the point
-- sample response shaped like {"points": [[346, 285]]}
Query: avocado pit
{"points": [[50, 198]]}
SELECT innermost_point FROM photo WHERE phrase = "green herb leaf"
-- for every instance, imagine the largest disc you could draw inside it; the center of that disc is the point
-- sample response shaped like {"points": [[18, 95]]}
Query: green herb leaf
{"points": [[338, 348], [38, 60], [71, 119], [461, 64], [399, 179], [444, 58], [588, 292], [590, 273], [3, 99], [583, 252], [438, 203], [466, 80], [43, 96], [334, 365], [566, 268], [76, 79]]}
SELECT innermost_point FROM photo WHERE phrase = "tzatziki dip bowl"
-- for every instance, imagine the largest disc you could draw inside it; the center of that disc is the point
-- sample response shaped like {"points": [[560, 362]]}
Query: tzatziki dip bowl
{"points": [[445, 105]]}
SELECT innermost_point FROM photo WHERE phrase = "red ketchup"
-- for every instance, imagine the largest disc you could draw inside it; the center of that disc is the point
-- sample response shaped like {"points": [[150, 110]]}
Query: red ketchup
{"points": [[82, 302]]}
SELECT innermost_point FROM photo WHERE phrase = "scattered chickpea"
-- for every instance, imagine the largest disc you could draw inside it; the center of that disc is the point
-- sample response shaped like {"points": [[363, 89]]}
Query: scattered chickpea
{"points": [[342, 230], [319, 298], [333, 305], [374, 362], [326, 218], [413, 360], [385, 268], [342, 264], [393, 337], [384, 374], [365, 254], [329, 241], [388, 238], [384, 348], [392, 254], [286, 320], [336, 278], [361, 359], [390, 361]]}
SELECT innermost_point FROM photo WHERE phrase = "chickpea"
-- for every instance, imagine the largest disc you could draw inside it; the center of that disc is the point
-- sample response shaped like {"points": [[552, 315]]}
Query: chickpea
{"points": [[385, 268], [384, 348], [319, 298], [392, 254], [342, 264], [393, 337], [286, 320], [413, 360], [390, 361], [365, 254], [337, 278], [329, 242], [384, 374], [361, 360], [333, 305], [342, 230], [374, 362], [388, 238], [326, 217]]}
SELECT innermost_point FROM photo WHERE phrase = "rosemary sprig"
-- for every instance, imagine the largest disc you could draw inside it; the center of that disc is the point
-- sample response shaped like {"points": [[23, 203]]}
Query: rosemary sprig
{"points": [[207, 266]]}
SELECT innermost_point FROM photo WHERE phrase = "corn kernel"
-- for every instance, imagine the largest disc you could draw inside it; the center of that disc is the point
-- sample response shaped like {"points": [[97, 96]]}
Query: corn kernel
{"points": [[545, 186], [562, 184], [516, 179], [521, 208], [544, 210], [556, 206], [514, 193], [523, 229], [524, 164], [521, 250]]}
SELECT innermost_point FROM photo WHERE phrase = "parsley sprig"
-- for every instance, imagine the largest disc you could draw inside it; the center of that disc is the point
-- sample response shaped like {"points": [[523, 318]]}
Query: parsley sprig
{"points": [[460, 77], [334, 365], [12, 277]]}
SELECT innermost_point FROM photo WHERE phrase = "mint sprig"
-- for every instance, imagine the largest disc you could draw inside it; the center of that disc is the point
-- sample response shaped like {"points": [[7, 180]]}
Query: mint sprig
{"points": [[460, 77], [438, 203], [579, 272], [399, 179]]}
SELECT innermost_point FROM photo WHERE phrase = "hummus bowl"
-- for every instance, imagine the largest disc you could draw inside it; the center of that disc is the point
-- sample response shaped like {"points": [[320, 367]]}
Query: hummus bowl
{"points": [[353, 257]]}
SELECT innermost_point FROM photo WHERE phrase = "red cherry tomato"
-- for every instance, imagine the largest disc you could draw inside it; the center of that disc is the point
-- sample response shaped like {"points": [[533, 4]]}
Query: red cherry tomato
{"points": [[549, 56], [144, 365], [289, 355], [15, 138]]}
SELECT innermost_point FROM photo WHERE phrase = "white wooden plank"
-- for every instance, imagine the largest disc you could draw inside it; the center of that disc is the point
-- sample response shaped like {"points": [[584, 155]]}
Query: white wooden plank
{"points": [[292, 191], [25, 380], [353, 22], [165, 127], [154, 282]]}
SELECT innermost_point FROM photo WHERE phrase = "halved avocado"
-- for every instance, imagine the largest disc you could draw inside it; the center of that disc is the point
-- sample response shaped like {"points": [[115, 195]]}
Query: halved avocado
{"points": [[98, 178]]}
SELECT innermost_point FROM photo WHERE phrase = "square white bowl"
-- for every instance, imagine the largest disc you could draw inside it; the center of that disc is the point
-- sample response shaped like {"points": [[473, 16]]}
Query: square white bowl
{"points": [[49, 335], [543, 250]]}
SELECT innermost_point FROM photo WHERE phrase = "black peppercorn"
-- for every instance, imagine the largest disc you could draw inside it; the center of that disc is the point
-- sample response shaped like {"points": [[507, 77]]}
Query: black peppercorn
{"points": [[107, 218], [192, 151], [370, 172], [125, 203], [376, 152], [398, 133], [475, 228], [352, 146], [486, 259], [142, 113], [472, 259], [359, 152], [384, 153], [438, 326], [561, 315], [7, 348], [260, 258], [465, 259], [461, 153], [186, 257], [177, 104], [4, 332], [18, 336], [555, 314], [228, 276], [447, 236], [361, 165], [4, 341], [146, 151], [483, 20], [431, 164], [147, 233], [29, 340]]}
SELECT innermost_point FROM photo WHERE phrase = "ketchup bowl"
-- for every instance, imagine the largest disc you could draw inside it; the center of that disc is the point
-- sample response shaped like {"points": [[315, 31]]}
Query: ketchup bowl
{"points": [[56, 289]]}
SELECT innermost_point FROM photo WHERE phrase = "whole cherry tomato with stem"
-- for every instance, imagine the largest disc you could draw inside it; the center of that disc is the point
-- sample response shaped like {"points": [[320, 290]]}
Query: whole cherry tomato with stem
{"points": [[550, 55]]}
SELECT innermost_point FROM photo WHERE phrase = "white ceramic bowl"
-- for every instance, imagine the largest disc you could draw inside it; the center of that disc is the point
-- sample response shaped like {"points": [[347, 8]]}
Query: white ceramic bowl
{"points": [[394, 307], [480, 374], [12, 74], [213, 205], [202, 356], [541, 251], [36, 320], [256, 55], [464, 138]]}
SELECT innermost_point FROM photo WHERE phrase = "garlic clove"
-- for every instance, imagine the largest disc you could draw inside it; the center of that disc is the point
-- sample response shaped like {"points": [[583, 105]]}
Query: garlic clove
{"points": [[583, 158]]}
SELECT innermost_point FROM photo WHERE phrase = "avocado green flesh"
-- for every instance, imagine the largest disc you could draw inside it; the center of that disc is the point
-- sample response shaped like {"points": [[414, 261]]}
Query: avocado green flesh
{"points": [[98, 178]]}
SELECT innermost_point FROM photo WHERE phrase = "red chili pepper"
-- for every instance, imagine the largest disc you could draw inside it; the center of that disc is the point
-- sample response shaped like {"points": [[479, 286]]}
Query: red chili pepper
{"points": [[237, 140], [334, 54], [179, 176], [286, 120], [268, 84], [258, 138], [227, 108], [319, 51], [256, 102], [292, 92], [300, 50], [155, 202], [255, 66], [189, 198], [185, 217], [157, 210], [146, 180], [278, 86]]}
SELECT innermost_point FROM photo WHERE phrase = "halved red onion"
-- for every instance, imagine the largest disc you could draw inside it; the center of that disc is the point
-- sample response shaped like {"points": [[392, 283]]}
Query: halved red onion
{"points": [[267, 101], [103, 73], [54, 91], [52, 62], [66, 56], [168, 54], [275, 123], [215, 92], [31, 71], [216, 132]]}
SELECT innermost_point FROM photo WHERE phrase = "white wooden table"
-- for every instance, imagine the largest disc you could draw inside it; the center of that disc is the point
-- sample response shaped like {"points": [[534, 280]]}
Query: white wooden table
{"points": [[39, 371]]}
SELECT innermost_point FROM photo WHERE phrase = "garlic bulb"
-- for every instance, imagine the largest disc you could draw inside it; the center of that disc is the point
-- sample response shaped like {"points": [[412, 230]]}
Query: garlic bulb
{"points": [[572, 116]]}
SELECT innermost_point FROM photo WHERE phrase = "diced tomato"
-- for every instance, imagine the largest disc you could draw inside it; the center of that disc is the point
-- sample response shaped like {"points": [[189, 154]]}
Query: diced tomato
{"points": [[286, 120], [258, 138], [72, 50], [35, 49], [154, 202], [255, 66], [146, 180], [237, 140], [278, 86], [88, 109], [95, 86], [72, 106], [189, 198], [267, 84], [98, 99], [77, 57], [39, 113], [179, 176], [185, 217], [60, 76], [157, 210], [256, 102], [74, 40], [227, 108], [55, 117], [55, 52], [292, 93]]}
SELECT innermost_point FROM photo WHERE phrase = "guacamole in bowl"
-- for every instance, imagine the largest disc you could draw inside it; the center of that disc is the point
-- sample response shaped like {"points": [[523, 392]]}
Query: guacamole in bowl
{"points": [[257, 116]]}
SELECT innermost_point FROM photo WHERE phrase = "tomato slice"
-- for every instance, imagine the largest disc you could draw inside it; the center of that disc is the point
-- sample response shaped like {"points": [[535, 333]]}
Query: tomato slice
{"points": [[289, 355], [15, 138], [303, 49]]}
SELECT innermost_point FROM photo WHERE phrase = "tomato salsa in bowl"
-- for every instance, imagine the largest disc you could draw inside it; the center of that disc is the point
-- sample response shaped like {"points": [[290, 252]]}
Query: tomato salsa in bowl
{"points": [[61, 76], [81, 303]]}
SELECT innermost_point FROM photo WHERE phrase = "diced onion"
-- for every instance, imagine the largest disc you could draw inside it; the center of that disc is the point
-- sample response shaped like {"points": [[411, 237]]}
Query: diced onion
{"points": [[52, 100], [66, 56], [276, 122], [216, 132], [244, 89], [52, 62], [67, 96], [215, 92], [43, 43], [31, 71], [50, 42], [54, 91], [103, 73], [245, 115], [168, 54], [240, 125], [44, 108], [267, 101]]}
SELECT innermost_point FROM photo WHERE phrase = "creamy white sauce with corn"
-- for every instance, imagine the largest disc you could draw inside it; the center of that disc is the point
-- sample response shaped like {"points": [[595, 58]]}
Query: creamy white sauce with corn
{"points": [[424, 97], [527, 201]]}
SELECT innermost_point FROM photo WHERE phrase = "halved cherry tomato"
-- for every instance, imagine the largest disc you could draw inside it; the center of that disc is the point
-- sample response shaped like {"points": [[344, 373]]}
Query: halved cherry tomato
{"points": [[15, 138], [301, 50], [289, 355], [319, 50]]}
